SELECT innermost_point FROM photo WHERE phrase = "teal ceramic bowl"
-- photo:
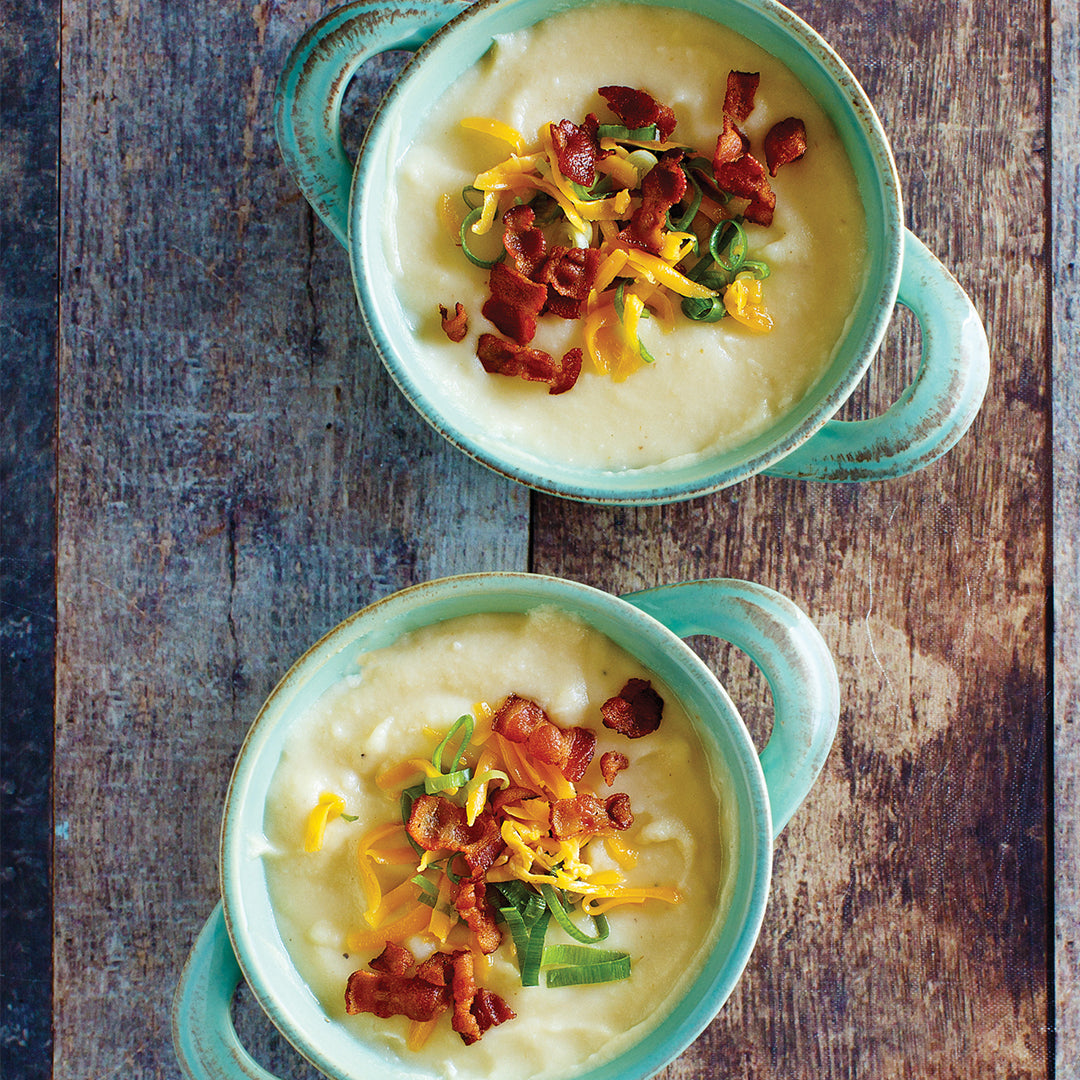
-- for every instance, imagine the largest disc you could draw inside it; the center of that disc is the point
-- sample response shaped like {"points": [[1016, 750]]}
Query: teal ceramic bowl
{"points": [[240, 940], [927, 420]]}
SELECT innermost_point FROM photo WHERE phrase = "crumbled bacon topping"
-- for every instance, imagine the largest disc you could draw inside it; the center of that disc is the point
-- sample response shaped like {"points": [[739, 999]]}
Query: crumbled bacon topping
{"points": [[388, 995], [662, 188], [523, 721], [473, 906], [500, 357], [514, 303], [586, 815], [455, 326], [739, 96], [444, 979], [611, 764], [638, 109], [577, 150], [437, 824], [736, 170], [785, 143], [635, 711], [524, 242], [393, 960]]}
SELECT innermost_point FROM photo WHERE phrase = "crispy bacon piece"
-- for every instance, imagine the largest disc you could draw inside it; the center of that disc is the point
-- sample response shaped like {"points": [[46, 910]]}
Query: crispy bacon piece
{"points": [[506, 358], [739, 95], [618, 809], [455, 326], [570, 271], [490, 1010], [523, 241], [393, 960], [582, 748], [517, 718], [437, 969], [476, 1010], [472, 905], [785, 143], [576, 151], [664, 185], [506, 796], [585, 814], [514, 303], [635, 711], [523, 721], [731, 144], [637, 109], [611, 764], [388, 995], [437, 824], [746, 179]]}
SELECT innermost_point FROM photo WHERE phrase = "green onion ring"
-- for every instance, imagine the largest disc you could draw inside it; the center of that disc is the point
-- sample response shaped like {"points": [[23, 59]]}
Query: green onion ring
{"points": [[464, 723], [457, 779], [484, 264], [556, 907]]}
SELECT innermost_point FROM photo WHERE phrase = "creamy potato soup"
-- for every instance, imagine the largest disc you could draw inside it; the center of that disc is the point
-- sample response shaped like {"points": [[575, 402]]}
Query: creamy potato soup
{"points": [[696, 387], [356, 746]]}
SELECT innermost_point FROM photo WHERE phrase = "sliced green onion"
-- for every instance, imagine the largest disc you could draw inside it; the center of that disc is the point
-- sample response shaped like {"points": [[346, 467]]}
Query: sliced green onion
{"points": [[759, 269], [534, 951], [620, 300], [465, 724], [682, 223], [528, 903], [557, 908], [454, 780], [484, 264], [645, 354], [429, 894], [518, 930], [466, 192], [601, 189], [609, 971], [705, 309], [621, 131], [736, 246], [349, 817], [408, 797], [580, 955]]}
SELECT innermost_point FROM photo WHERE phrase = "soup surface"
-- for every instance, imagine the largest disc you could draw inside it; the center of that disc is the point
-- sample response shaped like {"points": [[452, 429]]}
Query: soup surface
{"points": [[401, 702], [711, 385]]}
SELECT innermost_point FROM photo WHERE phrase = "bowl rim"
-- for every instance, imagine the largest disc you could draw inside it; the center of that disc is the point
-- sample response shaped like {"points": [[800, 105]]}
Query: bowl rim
{"points": [[660, 483], [255, 945]]}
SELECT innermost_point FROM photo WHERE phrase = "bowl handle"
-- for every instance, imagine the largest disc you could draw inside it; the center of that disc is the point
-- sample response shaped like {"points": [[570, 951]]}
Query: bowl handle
{"points": [[794, 658], [933, 412], [205, 1039], [307, 102]]}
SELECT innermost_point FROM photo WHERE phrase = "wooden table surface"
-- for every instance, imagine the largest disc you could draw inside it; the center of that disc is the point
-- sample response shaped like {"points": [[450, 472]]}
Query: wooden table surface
{"points": [[206, 467]]}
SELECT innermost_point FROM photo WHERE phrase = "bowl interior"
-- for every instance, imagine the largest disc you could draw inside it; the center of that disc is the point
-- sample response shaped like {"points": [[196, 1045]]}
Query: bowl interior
{"points": [[262, 955], [456, 48]]}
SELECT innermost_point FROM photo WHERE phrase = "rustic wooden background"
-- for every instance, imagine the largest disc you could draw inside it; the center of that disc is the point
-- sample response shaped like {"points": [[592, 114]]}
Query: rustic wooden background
{"points": [[234, 474]]}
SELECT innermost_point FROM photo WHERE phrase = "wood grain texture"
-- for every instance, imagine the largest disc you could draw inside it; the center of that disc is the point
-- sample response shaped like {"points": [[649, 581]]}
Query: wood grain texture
{"points": [[237, 475], [907, 933], [1065, 104]]}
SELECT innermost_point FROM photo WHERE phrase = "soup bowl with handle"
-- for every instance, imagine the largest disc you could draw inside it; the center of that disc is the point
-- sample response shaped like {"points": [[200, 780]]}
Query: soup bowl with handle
{"points": [[807, 441], [241, 939]]}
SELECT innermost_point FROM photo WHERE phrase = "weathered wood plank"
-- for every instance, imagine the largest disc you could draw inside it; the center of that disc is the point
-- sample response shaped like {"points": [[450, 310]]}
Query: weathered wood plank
{"points": [[907, 930], [29, 97], [1065, 254], [236, 475]]}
